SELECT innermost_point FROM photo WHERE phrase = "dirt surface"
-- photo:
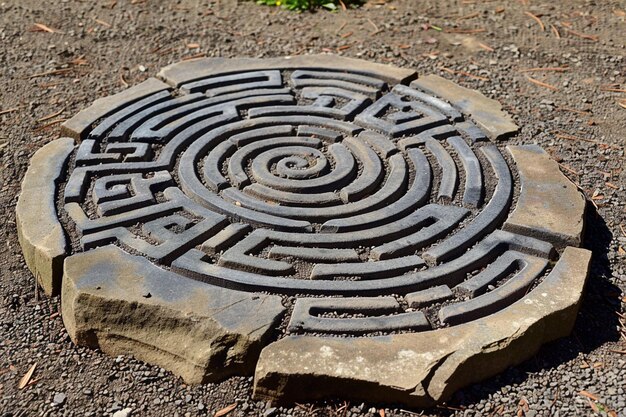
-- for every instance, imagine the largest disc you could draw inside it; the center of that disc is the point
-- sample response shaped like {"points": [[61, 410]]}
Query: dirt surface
{"points": [[82, 50]]}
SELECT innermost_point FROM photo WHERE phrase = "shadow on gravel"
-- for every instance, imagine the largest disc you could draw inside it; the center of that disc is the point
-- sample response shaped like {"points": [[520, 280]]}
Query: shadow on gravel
{"points": [[596, 324]]}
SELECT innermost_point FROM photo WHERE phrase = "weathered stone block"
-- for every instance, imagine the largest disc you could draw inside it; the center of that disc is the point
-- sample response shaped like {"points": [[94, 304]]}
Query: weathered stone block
{"points": [[123, 304], [38, 229], [549, 207]]}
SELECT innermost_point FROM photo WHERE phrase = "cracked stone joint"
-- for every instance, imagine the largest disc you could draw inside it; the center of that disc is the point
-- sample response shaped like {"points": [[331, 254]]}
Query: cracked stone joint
{"points": [[198, 207]]}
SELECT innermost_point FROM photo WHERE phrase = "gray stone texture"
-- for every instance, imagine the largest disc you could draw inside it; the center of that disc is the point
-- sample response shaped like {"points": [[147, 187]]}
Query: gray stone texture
{"points": [[549, 207], [422, 369], [79, 125], [486, 112], [40, 234], [187, 71], [123, 304]]}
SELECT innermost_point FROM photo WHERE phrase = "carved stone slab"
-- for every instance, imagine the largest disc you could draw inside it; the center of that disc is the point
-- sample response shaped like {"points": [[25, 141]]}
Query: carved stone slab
{"points": [[336, 224]]}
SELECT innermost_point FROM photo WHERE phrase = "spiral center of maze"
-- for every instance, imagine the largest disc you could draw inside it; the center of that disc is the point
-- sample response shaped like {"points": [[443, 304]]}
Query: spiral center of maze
{"points": [[371, 207]]}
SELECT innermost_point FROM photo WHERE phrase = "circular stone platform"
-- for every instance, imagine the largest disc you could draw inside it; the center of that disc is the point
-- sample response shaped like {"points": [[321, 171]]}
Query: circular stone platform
{"points": [[340, 228]]}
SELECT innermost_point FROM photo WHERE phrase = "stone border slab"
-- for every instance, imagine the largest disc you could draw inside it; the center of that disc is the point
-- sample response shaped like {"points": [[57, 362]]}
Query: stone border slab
{"points": [[39, 231], [186, 71], [79, 126], [486, 112], [549, 207], [423, 369], [123, 304]]}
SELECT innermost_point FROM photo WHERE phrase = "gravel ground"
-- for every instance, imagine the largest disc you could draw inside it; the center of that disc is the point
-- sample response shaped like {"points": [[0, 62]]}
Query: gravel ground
{"points": [[86, 50]]}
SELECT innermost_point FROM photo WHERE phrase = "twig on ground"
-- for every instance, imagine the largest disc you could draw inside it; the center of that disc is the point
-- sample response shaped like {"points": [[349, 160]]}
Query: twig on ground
{"points": [[555, 31], [588, 395], [342, 410], [53, 72], [556, 397], [449, 408], [541, 83], [536, 19], [11, 110], [79, 61], [464, 73], [586, 112], [376, 30], [162, 52], [102, 22], [466, 31], [226, 410], [411, 413], [568, 169], [469, 16], [593, 406], [198, 55], [43, 28], [498, 411], [343, 25], [27, 376], [594, 38], [51, 116], [346, 46], [557, 69], [47, 125], [576, 138], [123, 81]]}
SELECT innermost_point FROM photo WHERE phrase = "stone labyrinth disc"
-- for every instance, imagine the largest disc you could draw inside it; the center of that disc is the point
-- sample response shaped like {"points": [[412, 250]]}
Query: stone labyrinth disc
{"points": [[336, 227]]}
